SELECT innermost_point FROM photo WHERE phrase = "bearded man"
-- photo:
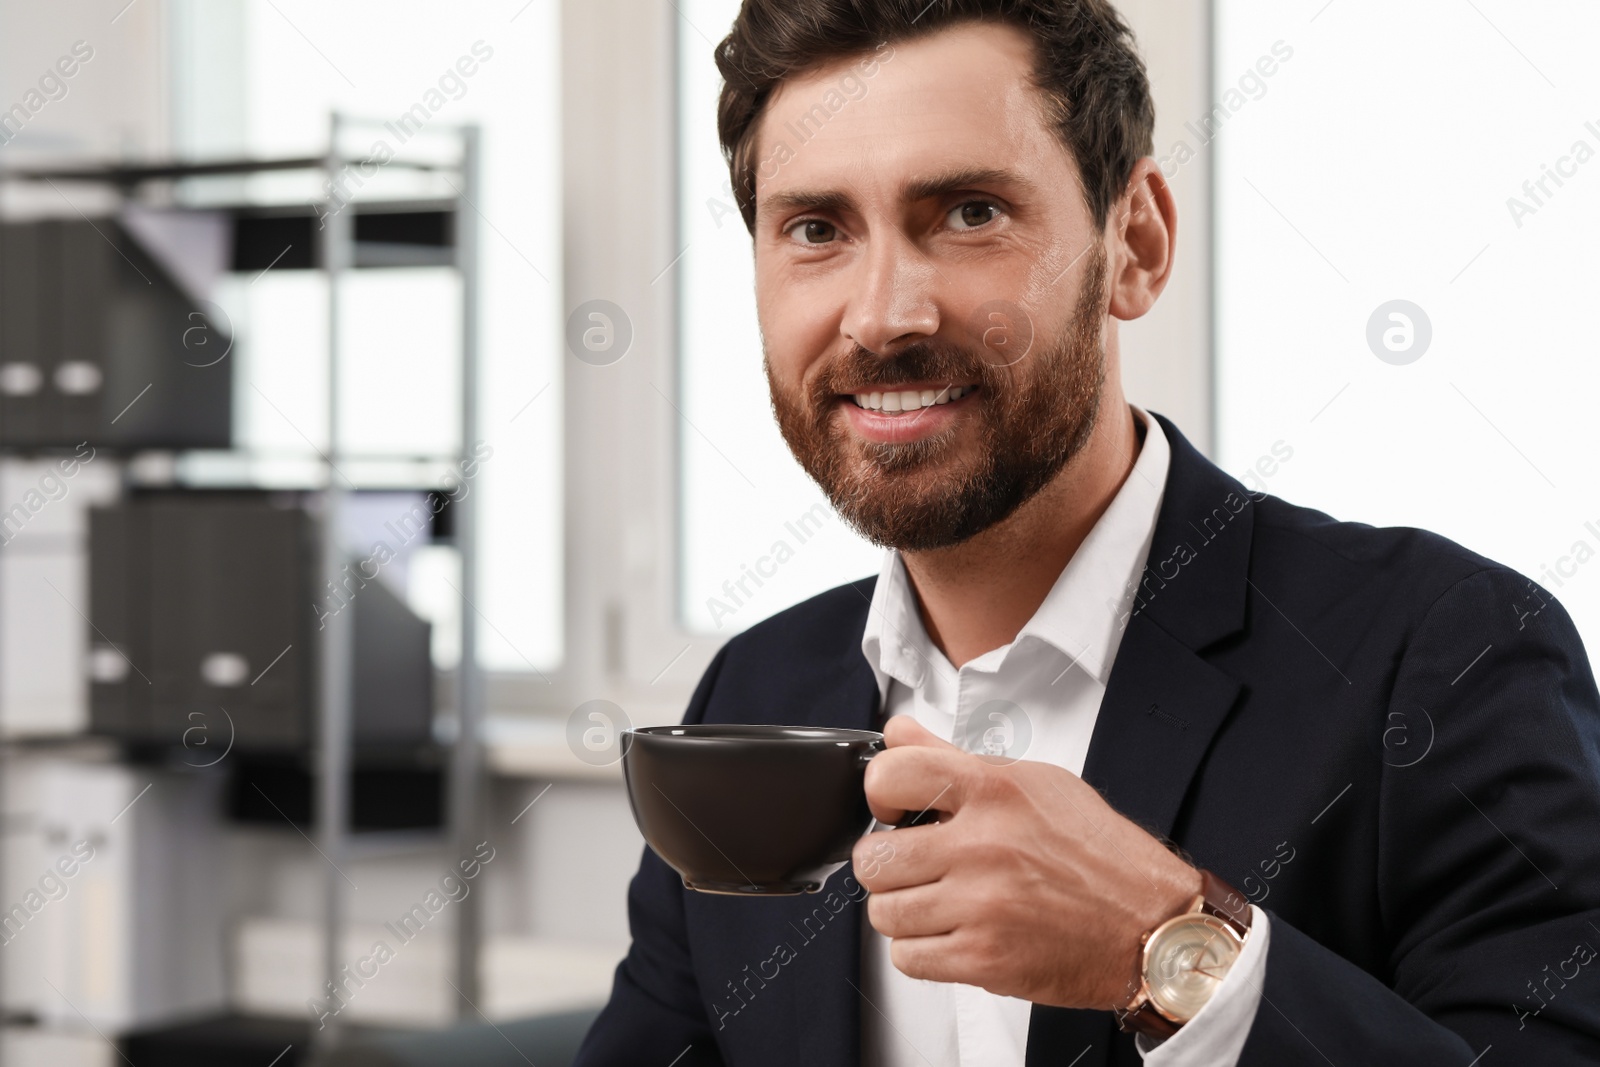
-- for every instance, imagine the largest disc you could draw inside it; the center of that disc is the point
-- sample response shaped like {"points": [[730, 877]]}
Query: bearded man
{"points": [[1218, 779]]}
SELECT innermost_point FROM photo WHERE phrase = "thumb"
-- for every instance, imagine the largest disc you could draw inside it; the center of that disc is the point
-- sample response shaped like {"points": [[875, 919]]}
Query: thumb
{"points": [[903, 730]]}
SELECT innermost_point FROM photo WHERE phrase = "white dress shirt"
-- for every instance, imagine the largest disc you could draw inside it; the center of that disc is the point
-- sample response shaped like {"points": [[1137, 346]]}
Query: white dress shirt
{"points": [[1053, 677]]}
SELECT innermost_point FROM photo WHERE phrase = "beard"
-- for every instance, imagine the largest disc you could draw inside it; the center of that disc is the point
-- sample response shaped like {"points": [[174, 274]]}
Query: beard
{"points": [[1032, 417]]}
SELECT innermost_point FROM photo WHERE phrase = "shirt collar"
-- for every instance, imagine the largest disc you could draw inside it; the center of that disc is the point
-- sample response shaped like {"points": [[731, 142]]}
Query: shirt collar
{"points": [[1083, 615]]}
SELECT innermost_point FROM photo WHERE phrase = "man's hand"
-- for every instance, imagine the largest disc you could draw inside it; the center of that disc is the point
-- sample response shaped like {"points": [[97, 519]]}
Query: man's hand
{"points": [[1030, 885]]}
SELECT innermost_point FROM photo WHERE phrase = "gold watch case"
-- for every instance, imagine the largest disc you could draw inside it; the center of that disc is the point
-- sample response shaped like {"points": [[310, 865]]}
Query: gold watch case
{"points": [[1186, 959]]}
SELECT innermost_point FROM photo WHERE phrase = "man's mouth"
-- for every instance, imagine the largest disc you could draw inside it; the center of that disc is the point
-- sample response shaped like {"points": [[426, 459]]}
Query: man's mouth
{"points": [[893, 401]]}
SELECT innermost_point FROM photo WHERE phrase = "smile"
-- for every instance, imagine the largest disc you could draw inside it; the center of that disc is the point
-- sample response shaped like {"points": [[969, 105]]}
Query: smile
{"points": [[901, 400]]}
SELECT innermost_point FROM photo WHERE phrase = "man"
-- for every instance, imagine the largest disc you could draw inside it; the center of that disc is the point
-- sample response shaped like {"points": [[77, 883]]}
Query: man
{"points": [[1260, 787]]}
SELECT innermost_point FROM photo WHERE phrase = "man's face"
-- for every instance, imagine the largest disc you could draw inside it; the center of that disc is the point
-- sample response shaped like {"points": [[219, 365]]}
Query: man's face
{"points": [[929, 283]]}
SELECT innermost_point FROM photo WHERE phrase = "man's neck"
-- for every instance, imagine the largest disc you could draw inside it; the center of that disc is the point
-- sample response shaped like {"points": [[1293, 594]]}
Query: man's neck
{"points": [[976, 596]]}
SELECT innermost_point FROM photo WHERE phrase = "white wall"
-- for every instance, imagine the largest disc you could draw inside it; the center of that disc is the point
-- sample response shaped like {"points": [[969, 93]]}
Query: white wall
{"points": [[1166, 356], [115, 105]]}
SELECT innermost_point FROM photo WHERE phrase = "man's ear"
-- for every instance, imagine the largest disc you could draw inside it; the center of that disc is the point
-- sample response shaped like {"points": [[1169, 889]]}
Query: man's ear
{"points": [[1141, 235]]}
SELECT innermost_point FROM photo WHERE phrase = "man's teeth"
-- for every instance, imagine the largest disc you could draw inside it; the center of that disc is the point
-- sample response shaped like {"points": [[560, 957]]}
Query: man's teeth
{"points": [[911, 399]]}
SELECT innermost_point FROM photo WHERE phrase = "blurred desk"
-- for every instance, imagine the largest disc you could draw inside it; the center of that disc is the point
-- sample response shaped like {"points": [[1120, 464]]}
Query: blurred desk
{"points": [[527, 746]]}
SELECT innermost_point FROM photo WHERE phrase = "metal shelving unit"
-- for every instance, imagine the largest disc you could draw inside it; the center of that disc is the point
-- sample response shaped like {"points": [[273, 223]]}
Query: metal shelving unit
{"points": [[341, 251], [334, 755]]}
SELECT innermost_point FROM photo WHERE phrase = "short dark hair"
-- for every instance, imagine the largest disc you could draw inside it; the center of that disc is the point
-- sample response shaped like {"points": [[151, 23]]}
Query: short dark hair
{"points": [[1086, 65]]}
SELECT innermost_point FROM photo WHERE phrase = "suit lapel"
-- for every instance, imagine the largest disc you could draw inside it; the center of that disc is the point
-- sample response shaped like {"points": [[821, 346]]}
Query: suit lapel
{"points": [[1164, 702], [1160, 711]]}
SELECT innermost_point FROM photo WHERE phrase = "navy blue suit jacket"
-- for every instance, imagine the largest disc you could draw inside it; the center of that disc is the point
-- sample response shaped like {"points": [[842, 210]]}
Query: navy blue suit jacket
{"points": [[1388, 742]]}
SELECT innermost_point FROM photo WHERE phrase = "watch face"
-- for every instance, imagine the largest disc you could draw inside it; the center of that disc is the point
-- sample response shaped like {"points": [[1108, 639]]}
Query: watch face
{"points": [[1187, 960]]}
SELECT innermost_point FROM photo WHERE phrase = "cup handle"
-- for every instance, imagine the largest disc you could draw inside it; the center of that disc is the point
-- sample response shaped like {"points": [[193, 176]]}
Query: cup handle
{"points": [[918, 818]]}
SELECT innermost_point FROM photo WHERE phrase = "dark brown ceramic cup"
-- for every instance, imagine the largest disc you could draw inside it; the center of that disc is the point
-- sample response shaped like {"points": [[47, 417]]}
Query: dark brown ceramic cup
{"points": [[750, 810]]}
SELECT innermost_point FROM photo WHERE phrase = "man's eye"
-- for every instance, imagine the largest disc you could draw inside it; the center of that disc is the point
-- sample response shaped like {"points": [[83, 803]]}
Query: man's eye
{"points": [[972, 214], [813, 232]]}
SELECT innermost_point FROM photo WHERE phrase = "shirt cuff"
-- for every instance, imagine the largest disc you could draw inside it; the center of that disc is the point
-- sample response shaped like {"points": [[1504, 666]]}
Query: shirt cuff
{"points": [[1215, 1037]]}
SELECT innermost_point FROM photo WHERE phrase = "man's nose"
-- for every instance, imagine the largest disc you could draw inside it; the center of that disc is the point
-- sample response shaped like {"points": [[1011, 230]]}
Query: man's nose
{"points": [[894, 295]]}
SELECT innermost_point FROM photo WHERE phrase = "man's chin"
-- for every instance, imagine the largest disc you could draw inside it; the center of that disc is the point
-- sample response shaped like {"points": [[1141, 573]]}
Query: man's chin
{"points": [[909, 511], [912, 529]]}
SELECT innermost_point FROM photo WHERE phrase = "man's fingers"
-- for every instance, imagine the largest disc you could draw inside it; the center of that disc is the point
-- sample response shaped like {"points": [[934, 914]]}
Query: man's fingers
{"points": [[933, 958], [903, 730], [895, 859], [917, 911], [912, 779]]}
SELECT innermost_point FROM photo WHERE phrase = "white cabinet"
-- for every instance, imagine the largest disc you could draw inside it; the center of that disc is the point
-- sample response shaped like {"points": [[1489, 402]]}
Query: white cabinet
{"points": [[44, 596], [123, 897]]}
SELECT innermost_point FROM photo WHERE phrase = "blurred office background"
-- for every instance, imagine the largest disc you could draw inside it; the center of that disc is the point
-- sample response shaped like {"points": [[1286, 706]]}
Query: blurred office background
{"points": [[1388, 217]]}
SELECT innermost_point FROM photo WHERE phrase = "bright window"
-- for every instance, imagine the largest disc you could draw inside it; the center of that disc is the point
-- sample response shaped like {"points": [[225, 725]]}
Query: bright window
{"points": [[260, 78], [757, 535], [1405, 288]]}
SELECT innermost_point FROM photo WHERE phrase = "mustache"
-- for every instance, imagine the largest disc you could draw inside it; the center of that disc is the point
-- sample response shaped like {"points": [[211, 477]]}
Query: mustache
{"points": [[924, 361]]}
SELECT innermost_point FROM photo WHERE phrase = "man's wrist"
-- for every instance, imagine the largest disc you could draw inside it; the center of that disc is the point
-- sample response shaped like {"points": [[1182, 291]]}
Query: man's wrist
{"points": [[1184, 959], [1181, 884], [1184, 884]]}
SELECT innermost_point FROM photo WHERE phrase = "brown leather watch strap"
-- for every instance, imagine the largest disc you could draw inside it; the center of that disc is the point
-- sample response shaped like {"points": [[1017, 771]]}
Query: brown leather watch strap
{"points": [[1224, 902], [1143, 1018]]}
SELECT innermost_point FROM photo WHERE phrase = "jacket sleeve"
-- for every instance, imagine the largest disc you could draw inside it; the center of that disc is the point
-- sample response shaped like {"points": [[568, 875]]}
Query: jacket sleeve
{"points": [[656, 1012], [1489, 857]]}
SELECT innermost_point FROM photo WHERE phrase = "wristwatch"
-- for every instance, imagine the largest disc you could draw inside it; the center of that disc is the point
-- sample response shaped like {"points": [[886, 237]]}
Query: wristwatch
{"points": [[1183, 961]]}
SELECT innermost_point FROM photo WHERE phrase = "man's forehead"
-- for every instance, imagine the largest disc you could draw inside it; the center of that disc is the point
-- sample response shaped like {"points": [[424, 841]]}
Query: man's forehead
{"points": [[901, 120], [906, 166]]}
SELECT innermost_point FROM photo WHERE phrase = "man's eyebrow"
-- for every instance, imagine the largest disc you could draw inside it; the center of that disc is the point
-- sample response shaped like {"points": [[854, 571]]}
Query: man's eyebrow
{"points": [[959, 178], [941, 184], [805, 200]]}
